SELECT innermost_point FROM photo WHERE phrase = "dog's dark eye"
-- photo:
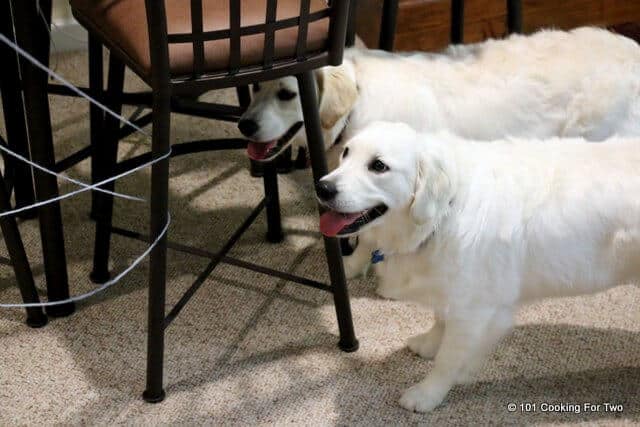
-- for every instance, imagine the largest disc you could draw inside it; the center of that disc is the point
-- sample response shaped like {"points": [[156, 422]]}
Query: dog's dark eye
{"points": [[256, 87], [345, 152], [286, 95], [378, 166]]}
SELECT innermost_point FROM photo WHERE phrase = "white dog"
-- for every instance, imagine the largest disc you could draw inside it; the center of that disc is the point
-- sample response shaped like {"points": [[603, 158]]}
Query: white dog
{"points": [[584, 82], [475, 229]]}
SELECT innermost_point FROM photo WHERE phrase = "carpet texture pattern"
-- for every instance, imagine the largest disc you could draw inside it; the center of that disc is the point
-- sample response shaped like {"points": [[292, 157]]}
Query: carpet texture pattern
{"points": [[249, 349]]}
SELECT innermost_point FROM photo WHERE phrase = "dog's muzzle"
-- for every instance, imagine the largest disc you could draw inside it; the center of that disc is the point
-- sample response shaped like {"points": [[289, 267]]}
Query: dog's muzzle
{"points": [[333, 223], [267, 151]]}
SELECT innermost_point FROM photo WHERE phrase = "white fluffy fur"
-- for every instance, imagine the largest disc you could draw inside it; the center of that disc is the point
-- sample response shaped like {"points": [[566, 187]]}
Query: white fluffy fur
{"points": [[584, 82], [512, 222]]}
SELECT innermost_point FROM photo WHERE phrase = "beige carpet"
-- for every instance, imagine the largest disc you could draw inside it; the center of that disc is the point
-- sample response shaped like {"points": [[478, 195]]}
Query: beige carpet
{"points": [[249, 349]]}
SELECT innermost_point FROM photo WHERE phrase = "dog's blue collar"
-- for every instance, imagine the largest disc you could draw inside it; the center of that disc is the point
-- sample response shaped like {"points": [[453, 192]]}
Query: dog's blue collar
{"points": [[377, 256]]}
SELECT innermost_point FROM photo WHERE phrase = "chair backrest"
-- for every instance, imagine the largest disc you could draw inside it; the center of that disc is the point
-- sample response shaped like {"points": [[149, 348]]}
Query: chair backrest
{"points": [[272, 66]]}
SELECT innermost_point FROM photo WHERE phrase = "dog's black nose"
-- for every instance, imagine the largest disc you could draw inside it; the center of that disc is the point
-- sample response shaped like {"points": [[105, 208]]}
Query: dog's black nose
{"points": [[326, 190], [247, 127]]}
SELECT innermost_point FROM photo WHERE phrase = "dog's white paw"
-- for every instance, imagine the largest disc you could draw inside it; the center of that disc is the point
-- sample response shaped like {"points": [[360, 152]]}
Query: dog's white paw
{"points": [[425, 345], [354, 267], [421, 398]]}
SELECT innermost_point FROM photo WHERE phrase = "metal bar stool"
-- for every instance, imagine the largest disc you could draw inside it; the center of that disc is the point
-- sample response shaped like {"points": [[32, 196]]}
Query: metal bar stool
{"points": [[216, 44], [29, 133]]}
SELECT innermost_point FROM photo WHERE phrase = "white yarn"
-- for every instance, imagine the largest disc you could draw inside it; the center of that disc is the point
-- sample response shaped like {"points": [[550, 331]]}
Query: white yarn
{"points": [[104, 285], [85, 186]]}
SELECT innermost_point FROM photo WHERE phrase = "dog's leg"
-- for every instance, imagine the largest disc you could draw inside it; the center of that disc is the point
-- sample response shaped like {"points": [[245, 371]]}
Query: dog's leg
{"points": [[426, 345], [358, 262], [500, 325], [392, 283], [465, 339]]}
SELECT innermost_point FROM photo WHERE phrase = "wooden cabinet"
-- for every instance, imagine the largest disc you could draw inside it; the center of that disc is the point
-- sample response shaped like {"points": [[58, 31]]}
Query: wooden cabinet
{"points": [[424, 24]]}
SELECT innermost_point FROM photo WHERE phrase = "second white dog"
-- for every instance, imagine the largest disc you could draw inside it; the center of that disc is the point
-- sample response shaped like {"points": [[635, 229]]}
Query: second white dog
{"points": [[475, 229], [584, 82]]}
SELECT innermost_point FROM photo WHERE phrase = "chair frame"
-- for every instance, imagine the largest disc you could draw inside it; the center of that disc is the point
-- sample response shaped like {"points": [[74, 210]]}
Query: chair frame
{"points": [[188, 105], [18, 260], [29, 133], [176, 94]]}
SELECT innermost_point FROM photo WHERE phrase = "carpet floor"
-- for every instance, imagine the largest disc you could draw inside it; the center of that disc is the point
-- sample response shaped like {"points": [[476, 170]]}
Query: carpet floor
{"points": [[249, 349]]}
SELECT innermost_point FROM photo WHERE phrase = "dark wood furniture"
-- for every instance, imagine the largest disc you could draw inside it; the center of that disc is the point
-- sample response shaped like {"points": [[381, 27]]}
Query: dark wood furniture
{"points": [[426, 24]]}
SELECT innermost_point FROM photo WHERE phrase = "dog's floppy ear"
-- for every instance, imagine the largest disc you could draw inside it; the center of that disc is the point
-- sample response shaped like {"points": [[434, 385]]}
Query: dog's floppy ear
{"points": [[433, 190], [337, 93]]}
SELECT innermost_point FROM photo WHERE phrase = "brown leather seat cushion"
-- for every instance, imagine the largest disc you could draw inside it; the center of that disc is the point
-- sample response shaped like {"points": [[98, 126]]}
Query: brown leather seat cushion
{"points": [[123, 24]]}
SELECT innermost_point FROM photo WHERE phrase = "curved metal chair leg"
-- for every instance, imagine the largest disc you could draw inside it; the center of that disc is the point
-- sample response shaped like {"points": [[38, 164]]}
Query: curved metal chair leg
{"points": [[96, 115], [514, 16], [14, 116], [244, 96], [388, 24], [351, 25], [19, 261], [105, 163], [308, 97], [159, 212], [272, 208], [457, 21], [36, 107], [269, 173]]}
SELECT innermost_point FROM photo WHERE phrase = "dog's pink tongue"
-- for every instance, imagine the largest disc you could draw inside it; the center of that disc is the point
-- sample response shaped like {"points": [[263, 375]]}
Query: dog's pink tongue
{"points": [[332, 222], [259, 150]]}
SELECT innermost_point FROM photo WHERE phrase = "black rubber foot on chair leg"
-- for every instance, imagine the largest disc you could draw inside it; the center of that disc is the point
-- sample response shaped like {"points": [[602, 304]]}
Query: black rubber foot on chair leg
{"points": [[99, 277], [37, 321], [62, 310], [153, 397], [349, 347], [275, 237]]}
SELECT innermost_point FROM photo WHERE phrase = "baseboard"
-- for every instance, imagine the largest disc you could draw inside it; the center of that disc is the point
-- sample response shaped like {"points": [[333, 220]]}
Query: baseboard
{"points": [[68, 36]]}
